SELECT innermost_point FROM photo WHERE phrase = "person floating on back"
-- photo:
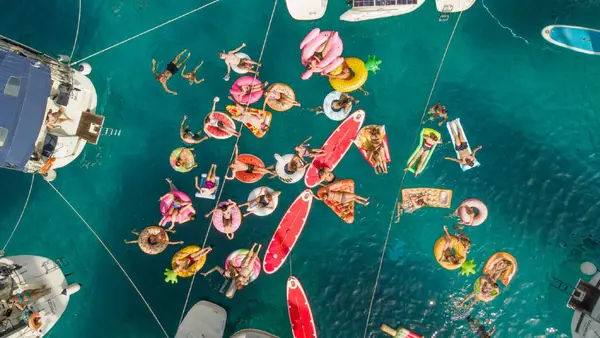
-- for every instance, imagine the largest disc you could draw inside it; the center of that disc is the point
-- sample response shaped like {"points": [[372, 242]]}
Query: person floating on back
{"points": [[171, 69]]}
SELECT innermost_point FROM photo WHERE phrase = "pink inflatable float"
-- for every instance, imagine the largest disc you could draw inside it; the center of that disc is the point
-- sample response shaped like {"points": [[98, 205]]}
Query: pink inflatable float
{"points": [[168, 201], [329, 60], [242, 91]]}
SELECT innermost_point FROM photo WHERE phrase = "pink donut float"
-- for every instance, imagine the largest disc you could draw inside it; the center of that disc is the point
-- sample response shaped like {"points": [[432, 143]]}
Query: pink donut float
{"points": [[166, 202], [311, 44], [238, 93], [481, 212], [236, 219]]}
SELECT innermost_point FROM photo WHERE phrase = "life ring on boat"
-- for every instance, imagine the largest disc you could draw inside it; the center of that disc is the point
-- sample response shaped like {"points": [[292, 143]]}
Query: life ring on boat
{"points": [[215, 132], [357, 66], [249, 177], [484, 297], [507, 275], [481, 212], [336, 115], [47, 166], [238, 95], [237, 68], [237, 257], [187, 166], [184, 214], [184, 254], [460, 253], [153, 249], [262, 211], [282, 171], [283, 89], [313, 40], [236, 219], [34, 321]]}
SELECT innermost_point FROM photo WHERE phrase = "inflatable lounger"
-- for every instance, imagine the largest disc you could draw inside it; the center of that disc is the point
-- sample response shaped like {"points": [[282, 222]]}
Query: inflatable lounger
{"points": [[210, 197], [436, 198], [462, 166]]}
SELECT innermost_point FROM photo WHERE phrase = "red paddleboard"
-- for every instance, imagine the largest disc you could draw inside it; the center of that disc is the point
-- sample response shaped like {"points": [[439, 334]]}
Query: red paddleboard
{"points": [[301, 317], [335, 147], [287, 233]]}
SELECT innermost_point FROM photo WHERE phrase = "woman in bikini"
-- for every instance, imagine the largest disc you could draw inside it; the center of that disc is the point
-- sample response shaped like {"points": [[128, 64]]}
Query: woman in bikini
{"points": [[321, 52], [254, 117], [20, 299], [303, 151], [462, 147], [437, 112], [154, 240], [227, 216], [177, 207], [247, 267], [344, 103], [191, 76], [488, 288], [212, 121], [184, 263], [448, 256], [264, 200], [55, 119], [469, 211], [244, 63], [172, 69], [188, 136], [377, 157], [210, 183], [428, 142], [272, 94], [341, 197], [346, 74], [295, 164], [237, 165]]}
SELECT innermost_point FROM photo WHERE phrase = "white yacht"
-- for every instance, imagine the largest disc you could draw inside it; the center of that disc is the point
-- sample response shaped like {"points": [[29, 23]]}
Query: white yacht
{"points": [[453, 6], [306, 10], [49, 293], [33, 85], [584, 300], [375, 9]]}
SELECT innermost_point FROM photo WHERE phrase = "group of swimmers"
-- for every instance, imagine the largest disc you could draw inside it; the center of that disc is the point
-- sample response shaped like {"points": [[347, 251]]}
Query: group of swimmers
{"points": [[172, 68]]}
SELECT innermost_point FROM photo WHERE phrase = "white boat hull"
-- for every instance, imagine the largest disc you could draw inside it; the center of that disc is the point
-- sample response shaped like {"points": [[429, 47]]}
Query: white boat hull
{"points": [[377, 12], [306, 10], [204, 320], [453, 6]]}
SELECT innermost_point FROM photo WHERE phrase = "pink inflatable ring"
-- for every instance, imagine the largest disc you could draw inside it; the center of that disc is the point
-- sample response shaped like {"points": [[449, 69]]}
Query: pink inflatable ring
{"points": [[241, 87], [167, 201], [327, 62], [478, 207], [218, 219]]}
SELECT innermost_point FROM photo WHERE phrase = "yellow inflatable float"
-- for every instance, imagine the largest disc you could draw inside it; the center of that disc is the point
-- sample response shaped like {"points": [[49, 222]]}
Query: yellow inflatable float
{"points": [[459, 252], [183, 254], [503, 263], [359, 73]]}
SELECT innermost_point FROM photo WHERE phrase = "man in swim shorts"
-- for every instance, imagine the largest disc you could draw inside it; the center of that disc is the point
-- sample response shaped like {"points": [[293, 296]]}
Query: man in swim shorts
{"points": [[479, 329], [233, 60], [462, 147], [188, 136], [172, 69], [437, 112]]}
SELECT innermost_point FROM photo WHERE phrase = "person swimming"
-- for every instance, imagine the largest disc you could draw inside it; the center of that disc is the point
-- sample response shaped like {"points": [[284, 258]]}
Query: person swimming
{"points": [[437, 112], [171, 69], [462, 147], [237, 165], [191, 76], [428, 142], [264, 200], [303, 151], [188, 136], [210, 182], [479, 329], [243, 63]]}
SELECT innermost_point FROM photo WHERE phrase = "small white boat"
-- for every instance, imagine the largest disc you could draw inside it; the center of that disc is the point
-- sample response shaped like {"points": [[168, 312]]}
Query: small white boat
{"points": [[19, 274], [252, 333], [204, 320], [579, 39], [453, 6], [375, 9], [305, 10]]}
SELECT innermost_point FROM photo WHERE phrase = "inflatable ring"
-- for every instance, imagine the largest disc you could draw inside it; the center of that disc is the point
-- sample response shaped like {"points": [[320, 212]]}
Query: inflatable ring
{"points": [[479, 293], [237, 257], [192, 269], [215, 132], [280, 168], [357, 66], [34, 321], [188, 166], [508, 274], [336, 115], [145, 236], [459, 252], [236, 219], [263, 211], [245, 176], [239, 96], [236, 68], [481, 213], [283, 89]]}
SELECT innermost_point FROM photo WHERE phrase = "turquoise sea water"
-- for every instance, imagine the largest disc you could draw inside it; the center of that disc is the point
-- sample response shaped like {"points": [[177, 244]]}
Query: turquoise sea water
{"points": [[531, 105]]}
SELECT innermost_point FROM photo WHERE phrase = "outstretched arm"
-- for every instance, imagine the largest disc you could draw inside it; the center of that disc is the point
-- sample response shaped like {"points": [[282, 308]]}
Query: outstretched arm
{"points": [[453, 160], [210, 213], [238, 49], [167, 89], [154, 67], [181, 126], [196, 183], [476, 150]]}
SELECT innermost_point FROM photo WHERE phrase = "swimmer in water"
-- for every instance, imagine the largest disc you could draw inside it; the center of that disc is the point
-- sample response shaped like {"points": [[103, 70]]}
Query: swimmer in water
{"points": [[172, 69], [188, 136], [303, 151], [437, 112], [479, 329], [344, 103], [429, 141], [210, 182], [462, 147], [191, 76], [233, 60], [346, 74]]}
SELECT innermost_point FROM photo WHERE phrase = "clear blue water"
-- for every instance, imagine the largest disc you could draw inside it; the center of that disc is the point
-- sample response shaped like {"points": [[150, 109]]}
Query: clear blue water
{"points": [[532, 107]]}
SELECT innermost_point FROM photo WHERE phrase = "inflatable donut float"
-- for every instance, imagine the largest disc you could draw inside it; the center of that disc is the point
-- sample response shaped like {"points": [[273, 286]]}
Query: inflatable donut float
{"points": [[236, 219], [481, 212], [460, 253], [187, 166], [238, 94], [193, 268], [144, 244]]}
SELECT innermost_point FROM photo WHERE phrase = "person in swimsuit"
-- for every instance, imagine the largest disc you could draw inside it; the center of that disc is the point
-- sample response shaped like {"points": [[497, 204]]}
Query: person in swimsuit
{"points": [[184, 263], [488, 288], [462, 147], [414, 203], [253, 88], [326, 175], [295, 164], [212, 121], [227, 215], [172, 69], [247, 267], [346, 74], [191, 76], [303, 151], [341, 197], [55, 119], [421, 155], [177, 207], [256, 118], [210, 183], [264, 200], [244, 63], [479, 329], [437, 112], [153, 240], [321, 52], [470, 214], [447, 255], [237, 165], [344, 103], [377, 157], [498, 268], [20, 299], [272, 94], [188, 136]]}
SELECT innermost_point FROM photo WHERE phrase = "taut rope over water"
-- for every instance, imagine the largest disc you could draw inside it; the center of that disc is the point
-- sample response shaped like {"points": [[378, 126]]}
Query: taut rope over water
{"points": [[21, 216]]}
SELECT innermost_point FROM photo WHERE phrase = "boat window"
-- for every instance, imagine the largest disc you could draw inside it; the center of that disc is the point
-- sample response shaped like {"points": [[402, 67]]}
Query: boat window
{"points": [[3, 136], [12, 86]]}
